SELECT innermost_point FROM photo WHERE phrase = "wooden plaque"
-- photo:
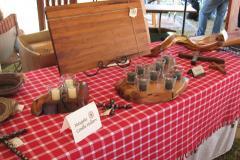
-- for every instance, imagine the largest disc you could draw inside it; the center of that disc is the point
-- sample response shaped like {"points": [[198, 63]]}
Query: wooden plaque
{"points": [[84, 34]]}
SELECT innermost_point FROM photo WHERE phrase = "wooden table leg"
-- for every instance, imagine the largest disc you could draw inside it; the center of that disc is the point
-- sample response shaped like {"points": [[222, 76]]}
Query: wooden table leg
{"points": [[159, 22], [154, 23]]}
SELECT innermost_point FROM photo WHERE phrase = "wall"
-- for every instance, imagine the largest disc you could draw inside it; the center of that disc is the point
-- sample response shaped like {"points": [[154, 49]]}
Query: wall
{"points": [[26, 11]]}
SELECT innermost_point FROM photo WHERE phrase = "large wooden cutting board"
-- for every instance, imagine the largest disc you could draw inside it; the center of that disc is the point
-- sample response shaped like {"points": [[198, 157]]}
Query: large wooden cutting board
{"points": [[84, 34]]}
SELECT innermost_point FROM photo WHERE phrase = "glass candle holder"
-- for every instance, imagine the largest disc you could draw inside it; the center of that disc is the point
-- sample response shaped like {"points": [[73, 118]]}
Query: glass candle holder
{"points": [[178, 72], [153, 76], [159, 66], [55, 94], [169, 81], [142, 84], [131, 77], [140, 70], [72, 92], [68, 80], [169, 62]]}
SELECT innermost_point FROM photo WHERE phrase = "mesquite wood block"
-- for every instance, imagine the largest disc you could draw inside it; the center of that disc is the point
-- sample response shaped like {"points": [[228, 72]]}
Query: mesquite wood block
{"points": [[156, 92], [83, 36]]}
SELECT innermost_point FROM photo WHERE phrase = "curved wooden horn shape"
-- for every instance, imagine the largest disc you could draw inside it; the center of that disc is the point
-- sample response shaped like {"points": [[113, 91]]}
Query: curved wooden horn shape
{"points": [[201, 43]]}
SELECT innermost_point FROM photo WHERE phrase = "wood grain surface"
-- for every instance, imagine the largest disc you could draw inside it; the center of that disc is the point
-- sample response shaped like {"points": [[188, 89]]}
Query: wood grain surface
{"points": [[156, 92], [83, 35]]}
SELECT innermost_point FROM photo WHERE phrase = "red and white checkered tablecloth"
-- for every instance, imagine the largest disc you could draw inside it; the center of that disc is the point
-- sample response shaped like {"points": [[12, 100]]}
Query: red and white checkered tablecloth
{"points": [[161, 131]]}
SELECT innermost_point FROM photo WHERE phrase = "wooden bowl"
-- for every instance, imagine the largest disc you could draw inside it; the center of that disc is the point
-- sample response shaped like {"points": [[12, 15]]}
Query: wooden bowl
{"points": [[10, 83], [7, 108]]}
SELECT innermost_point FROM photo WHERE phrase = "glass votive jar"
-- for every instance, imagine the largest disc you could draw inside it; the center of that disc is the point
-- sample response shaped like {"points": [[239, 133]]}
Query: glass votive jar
{"points": [[54, 97], [72, 92], [140, 70], [168, 60], [154, 76], [131, 77], [169, 81], [142, 84], [68, 80], [159, 65], [55, 94], [178, 72]]}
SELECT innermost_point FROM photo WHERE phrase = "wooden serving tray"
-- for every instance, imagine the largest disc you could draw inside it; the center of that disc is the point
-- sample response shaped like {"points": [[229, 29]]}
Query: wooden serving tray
{"points": [[84, 34], [155, 94]]}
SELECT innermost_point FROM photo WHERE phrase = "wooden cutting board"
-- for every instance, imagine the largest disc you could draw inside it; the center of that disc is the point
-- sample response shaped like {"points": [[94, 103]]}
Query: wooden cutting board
{"points": [[84, 34]]}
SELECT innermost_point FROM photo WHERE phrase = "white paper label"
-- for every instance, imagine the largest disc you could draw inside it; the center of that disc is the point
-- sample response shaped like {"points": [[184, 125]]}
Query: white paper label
{"points": [[17, 142], [19, 108], [83, 122], [106, 113], [198, 70], [133, 12], [225, 34]]}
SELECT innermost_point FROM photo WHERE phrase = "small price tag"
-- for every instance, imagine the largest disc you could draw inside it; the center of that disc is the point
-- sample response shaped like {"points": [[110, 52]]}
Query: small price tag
{"points": [[17, 142], [197, 71], [133, 12], [19, 108], [106, 113], [225, 34]]}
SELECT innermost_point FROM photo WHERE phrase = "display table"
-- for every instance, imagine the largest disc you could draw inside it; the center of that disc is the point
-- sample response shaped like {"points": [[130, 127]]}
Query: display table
{"points": [[156, 8], [158, 131]]}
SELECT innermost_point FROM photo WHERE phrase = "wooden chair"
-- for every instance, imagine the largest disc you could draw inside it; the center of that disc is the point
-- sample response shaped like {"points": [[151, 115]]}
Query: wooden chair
{"points": [[232, 16], [41, 4], [9, 32], [36, 51]]}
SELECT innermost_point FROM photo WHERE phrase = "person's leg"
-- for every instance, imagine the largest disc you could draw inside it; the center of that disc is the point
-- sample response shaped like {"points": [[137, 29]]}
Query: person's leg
{"points": [[221, 11], [207, 7]]}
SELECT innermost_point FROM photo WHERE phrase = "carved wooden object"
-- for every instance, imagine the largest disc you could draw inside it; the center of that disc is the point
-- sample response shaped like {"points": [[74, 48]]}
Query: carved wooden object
{"points": [[84, 34], [232, 16], [201, 43], [155, 94]]}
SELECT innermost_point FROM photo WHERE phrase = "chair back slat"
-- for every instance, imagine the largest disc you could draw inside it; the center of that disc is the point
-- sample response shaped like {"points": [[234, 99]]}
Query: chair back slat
{"points": [[7, 23], [47, 2], [53, 2], [65, 1], [73, 1], [59, 2], [41, 9]]}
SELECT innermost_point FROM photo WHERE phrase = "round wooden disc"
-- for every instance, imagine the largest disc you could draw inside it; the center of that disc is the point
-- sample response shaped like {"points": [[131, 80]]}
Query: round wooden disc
{"points": [[6, 109]]}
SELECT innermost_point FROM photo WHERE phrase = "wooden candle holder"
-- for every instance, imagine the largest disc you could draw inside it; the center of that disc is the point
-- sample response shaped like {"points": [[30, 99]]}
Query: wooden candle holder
{"points": [[44, 105], [156, 91]]}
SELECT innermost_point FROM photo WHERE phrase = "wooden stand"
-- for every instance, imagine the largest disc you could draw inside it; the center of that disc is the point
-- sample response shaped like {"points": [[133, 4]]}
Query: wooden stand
{"points": [[156, 92]]}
